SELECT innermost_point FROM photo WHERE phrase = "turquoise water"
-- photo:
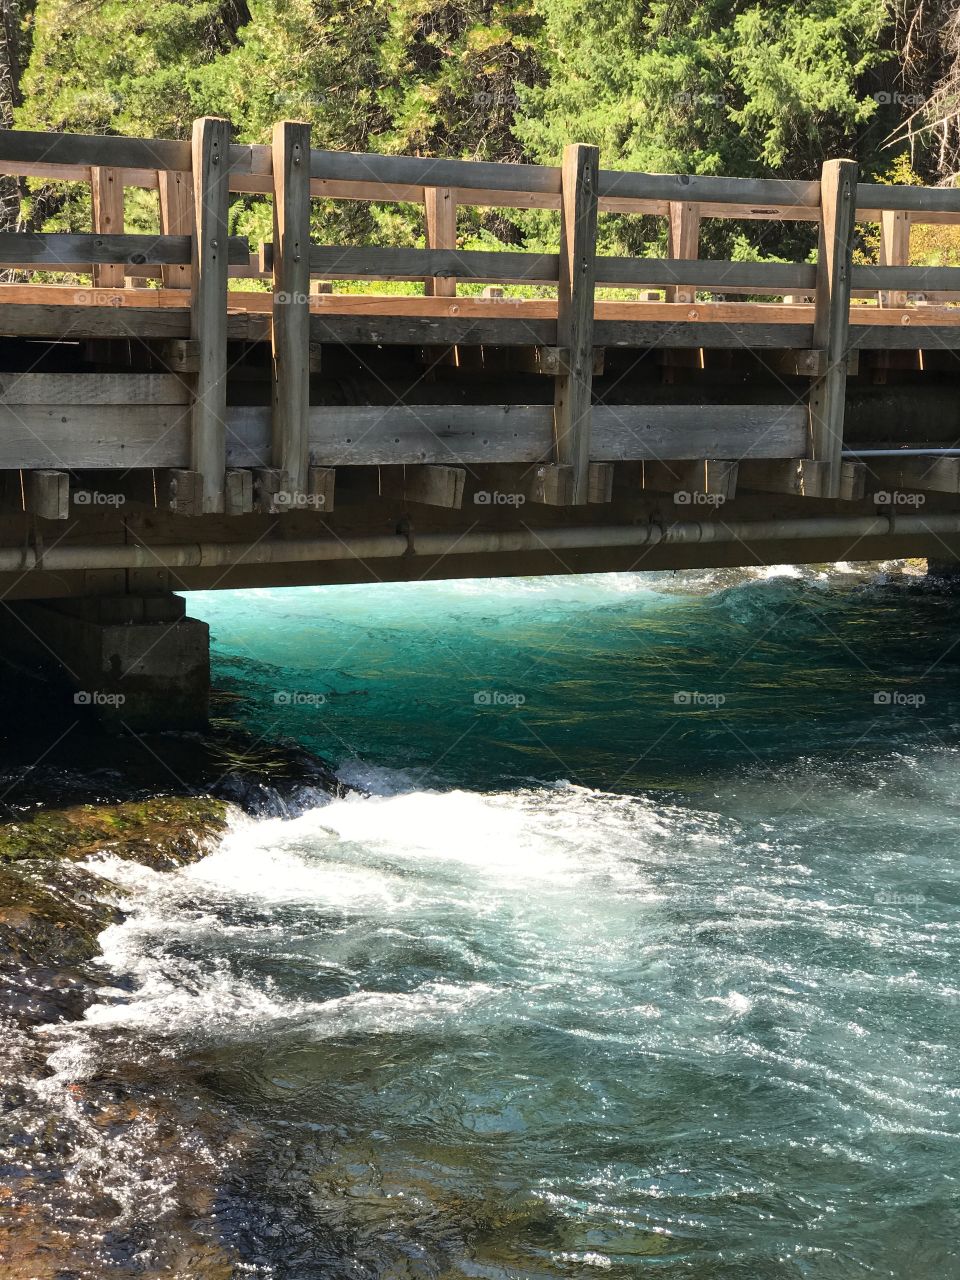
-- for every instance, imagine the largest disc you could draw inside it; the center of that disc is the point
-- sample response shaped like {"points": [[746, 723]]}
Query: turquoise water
{"points": [[643, 963]]}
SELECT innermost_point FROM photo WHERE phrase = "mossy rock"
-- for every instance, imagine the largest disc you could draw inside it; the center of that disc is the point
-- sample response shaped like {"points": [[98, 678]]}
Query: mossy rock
{"points": [[162, 832]]}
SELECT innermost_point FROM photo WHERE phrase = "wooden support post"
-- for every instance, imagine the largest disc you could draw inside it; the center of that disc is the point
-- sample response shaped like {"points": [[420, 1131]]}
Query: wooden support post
{"points": [[550, 361], [575, 306], [321, 483], [271, 490], [810, 363], [600, 482], [440, 212], [291, 300], [180, 491], [176, 219], [179, 355], [915, 474], [853, 481], [838, 187], [801, 477], [691, 482], [238, 492], [552, 485], [208, 313], [894, 251], [47, 494], [106, 191], [435, 485], [683, 241]]}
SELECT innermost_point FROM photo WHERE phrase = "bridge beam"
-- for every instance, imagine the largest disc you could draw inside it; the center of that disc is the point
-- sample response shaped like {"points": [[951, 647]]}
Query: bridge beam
{"points": [[208, 312], [575, 307], [291, 292], [838, 187]]}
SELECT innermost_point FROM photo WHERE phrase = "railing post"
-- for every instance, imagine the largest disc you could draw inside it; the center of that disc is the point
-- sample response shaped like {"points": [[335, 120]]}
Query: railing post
{"points": [[208, 312], [291, 302], [176, 219], [838, 200], [106, 195], [894, 251], [440, 213], [575, 304], [683, 241]]}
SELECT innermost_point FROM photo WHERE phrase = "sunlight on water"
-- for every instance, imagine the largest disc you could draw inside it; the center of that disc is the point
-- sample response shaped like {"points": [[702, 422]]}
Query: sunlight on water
{"points": [[601, 982]]}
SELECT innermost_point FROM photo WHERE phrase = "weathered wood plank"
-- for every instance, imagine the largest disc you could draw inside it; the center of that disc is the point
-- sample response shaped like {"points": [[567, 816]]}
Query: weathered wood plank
{"points": [[24, 145], [915, 474], [683, 241], [714, 478], [811, 363], [351, 166], [440, 217], [600, 482], [76, 322], [353, 435], [208, 314], [832, 314], [57, 251], [699, 190], [321, 488], [853, 480], [47, 494], [271, 491], [434, 486], [238, 492], [291, 292], [575, 312], [177, 218], [631, 432], [762, 277], [801, 477], [874, 195], [75, 389], [551, 484], [106, 196], [92, 436]]}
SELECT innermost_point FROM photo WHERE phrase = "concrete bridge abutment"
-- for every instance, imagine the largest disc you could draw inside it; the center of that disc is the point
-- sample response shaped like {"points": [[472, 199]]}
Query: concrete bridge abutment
{"points": [[135, 661]]}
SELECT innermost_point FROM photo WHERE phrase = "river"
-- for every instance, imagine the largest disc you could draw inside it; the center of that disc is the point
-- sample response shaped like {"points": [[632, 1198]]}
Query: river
{"points": [[635, 952]]}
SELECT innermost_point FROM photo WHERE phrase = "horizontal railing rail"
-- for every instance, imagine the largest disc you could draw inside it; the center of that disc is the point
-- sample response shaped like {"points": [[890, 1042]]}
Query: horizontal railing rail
{"points": [[62, 252]]}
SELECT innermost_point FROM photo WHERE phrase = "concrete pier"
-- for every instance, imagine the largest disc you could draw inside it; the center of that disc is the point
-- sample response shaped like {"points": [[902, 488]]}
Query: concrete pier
{"points": [[137, 662]]}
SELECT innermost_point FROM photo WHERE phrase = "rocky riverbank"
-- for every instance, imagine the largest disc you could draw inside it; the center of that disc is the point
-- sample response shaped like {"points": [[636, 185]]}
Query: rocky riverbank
{"points": [[163, 802]]}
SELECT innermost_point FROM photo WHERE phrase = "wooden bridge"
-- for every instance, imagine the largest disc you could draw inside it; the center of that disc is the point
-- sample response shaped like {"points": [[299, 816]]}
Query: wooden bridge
{"points": [[181, 412]]}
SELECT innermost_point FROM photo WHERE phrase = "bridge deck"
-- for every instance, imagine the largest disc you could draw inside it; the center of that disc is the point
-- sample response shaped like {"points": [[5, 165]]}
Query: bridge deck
{"points": [[174, 394]]}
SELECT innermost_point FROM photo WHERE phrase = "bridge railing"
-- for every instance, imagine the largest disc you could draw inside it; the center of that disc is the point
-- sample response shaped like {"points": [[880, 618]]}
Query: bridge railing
{"points": [[193, 313]]}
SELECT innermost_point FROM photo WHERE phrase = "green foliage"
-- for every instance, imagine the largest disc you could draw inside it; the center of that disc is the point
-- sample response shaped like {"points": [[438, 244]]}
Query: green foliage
{"points": [[689, 86]]}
